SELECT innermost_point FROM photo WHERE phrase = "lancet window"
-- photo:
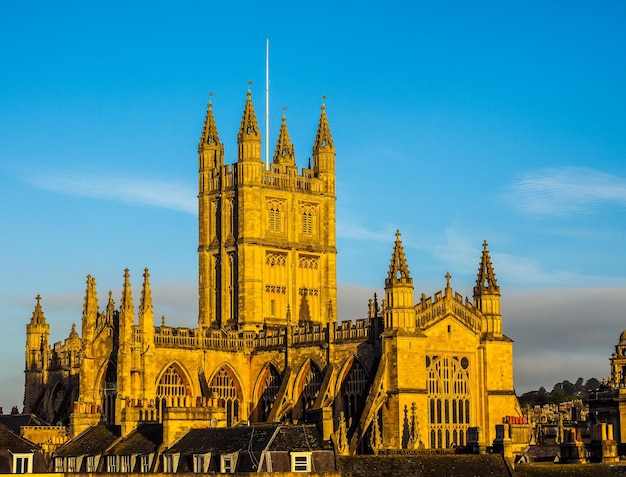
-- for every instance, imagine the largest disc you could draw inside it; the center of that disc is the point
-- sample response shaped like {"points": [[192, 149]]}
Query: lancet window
{"points": [[311, 386], [449, 400], [353, 390], [172, 387], [270, 387], [226, 387], [307, 216]]}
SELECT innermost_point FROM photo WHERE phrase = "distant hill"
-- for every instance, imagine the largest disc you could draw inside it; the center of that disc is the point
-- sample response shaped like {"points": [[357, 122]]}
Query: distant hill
{"points": [[561, 392]]}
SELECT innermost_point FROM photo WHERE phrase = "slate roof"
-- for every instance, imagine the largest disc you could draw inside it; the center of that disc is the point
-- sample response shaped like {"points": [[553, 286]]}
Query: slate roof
{"points": [[93, 441], [299, 438], [14, 443], [15, 421], [145, 439], [252, 438]]}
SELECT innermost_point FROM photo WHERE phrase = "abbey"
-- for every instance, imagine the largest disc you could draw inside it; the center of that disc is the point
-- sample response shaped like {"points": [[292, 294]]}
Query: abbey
{"points": [[430, 373]]}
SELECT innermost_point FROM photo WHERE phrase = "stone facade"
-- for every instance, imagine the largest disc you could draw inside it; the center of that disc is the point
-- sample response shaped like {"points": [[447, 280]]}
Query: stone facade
{"points": [[268, 347]]}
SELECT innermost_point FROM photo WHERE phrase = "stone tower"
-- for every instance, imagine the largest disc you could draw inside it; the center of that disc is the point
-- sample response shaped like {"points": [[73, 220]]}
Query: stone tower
{"points": [[37, 356], [266, 236]]}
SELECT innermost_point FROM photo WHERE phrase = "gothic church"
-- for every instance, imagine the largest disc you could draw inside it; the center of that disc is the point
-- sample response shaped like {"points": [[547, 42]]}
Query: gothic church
{"points": [[268, 347]]}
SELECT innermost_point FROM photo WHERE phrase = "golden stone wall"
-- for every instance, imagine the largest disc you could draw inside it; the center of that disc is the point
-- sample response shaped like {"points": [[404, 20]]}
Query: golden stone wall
{"points": [[268, 346]]}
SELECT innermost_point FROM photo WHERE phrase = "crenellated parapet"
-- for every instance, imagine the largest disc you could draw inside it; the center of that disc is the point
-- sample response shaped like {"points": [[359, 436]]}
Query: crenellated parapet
{"points": [[269, 337], [433, 309]]}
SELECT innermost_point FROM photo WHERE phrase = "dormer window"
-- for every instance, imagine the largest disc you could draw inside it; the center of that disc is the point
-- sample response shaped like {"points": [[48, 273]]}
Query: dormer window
{"points": [[23, 463], [227, 464], [301, 462]]}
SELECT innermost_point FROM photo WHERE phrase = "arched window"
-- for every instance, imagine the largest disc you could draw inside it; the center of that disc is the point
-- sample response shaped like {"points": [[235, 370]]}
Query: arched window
{"points": [[108, 391], [307, 223], [353, 390], [172, 388], [270, 386], [225, 386], [311, 386], [448, 385]]}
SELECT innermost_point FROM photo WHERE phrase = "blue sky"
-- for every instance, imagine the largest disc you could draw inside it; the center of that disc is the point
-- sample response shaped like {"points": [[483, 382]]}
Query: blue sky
{"points": [[455, 122]]}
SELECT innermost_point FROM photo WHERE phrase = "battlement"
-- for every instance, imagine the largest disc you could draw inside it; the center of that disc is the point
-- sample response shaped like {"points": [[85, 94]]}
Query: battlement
{"points": [[275, 178], [430, 310], [270, 337]]}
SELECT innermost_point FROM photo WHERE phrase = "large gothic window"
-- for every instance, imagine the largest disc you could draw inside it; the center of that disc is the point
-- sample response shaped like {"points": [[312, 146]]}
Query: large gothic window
{"points": [[226, 387], [353, 389], [108, 391], [171, 384], [269, 390], [449, 400], [310, 385]]}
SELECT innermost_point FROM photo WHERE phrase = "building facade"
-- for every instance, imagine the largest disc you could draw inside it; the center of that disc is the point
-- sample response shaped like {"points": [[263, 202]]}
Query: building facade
{"points": [[268, 346]]}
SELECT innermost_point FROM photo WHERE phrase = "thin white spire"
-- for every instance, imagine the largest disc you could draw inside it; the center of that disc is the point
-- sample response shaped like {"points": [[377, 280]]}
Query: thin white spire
{"points": [[267, 103]]}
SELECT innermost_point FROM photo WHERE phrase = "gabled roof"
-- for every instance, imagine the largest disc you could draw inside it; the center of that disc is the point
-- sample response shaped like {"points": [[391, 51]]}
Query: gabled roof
{"points": [[15, 443], [16, 421], [145, 439], [93, 441], [298, 438], [254, 438]]}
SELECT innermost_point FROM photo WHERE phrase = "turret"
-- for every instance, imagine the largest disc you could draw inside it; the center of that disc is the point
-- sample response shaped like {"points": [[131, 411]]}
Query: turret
{"points": [[399, 312], [249, 137], [487, 294], [37, 356]]}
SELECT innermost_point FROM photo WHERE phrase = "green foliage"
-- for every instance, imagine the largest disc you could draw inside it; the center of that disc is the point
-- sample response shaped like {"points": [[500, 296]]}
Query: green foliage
{"points": [[561, 392]]}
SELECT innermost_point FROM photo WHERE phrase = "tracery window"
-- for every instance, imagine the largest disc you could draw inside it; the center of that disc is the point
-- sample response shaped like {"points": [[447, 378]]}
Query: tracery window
{"points": [[311, 387], [274, 259], [270, 388], [449, 400], [226, 388], [308, 261], [353, 389], [172, 388]]}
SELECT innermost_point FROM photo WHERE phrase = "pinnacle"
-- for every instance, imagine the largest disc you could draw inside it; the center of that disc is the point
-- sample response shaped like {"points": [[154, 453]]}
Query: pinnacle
{"points": [[38, 316], [249, 127], [398, 267], [284, 153], [209, 131], [323, 138], [486, 278]]}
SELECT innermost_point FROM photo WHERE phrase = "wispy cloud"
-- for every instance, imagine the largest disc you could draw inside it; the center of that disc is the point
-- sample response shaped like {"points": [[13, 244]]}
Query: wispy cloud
{"points": [[157, 193], [565, 191]]}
